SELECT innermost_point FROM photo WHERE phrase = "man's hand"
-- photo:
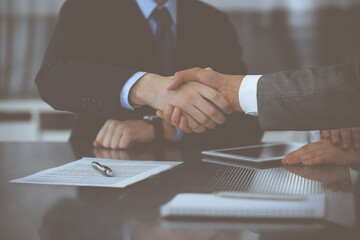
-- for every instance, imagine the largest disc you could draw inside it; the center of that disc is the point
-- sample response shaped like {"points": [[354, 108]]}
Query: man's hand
{"points": [[173, 115], [322, 152], [346, 137], [203, 106], [124, 134], [226, 85]]}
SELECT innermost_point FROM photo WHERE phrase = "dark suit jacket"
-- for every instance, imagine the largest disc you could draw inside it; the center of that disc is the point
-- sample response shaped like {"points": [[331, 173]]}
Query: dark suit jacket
{"points": [[99, 44], [312, 99]]}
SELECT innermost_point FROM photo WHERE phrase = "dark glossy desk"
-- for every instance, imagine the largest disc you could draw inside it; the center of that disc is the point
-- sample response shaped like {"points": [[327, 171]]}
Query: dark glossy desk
{"points": [[63, 212]]}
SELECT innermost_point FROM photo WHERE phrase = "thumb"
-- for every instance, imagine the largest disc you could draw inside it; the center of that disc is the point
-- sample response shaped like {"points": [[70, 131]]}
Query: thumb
{"points": [[176, 82], [183, 76]]}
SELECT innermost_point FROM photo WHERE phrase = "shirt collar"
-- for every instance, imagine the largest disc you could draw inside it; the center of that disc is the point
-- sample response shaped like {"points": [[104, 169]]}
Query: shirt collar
{"points": [[148, 6]]}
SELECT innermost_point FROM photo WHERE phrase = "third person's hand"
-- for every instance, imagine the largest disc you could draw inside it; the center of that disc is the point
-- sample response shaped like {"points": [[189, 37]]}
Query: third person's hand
{"points": [[345, 137]]}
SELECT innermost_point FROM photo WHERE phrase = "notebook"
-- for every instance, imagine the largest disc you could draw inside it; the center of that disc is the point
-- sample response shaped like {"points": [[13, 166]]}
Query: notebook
{"points": [[210, 205]]}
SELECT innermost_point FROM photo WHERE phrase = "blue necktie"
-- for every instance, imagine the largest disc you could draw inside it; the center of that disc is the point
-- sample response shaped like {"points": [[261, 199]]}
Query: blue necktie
{"points": [[165, 41]]}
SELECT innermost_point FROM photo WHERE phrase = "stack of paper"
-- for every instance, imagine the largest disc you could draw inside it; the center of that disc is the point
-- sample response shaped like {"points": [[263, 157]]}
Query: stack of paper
{"points": [[210, 205]]}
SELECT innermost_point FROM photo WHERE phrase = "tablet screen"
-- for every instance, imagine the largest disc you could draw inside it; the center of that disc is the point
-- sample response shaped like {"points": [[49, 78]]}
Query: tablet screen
{"points": [[274, 151]]}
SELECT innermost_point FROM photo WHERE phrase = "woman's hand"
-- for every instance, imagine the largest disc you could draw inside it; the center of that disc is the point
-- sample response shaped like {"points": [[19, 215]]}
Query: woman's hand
{"points": [[345, 137], [322, 152]]}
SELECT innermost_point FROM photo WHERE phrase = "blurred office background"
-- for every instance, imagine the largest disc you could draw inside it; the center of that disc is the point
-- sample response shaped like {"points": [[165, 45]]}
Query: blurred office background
{"points": [[275, 35]]}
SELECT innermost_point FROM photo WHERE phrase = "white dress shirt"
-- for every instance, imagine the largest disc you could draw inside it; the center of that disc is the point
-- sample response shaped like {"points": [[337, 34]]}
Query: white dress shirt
{"points": [[248, 94], [147, 7]]}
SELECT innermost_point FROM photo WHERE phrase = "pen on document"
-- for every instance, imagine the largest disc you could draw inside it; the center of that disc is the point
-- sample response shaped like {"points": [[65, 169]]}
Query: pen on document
{"points": [[260, 196], [103, 169]]}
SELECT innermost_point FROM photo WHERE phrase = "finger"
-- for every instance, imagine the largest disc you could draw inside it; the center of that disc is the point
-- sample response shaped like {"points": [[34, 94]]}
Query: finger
{"points": [[325, 134], [306, 149], [125, 141], [115, 140], [211, 111], [175, 117], [335, 136], [186, 75], [294, 156], [345, 138], [108, 135], [96, 144], [302, 158], [184, 125], [200, 117], [160, 113], [216, 98], [208, 68], [168, 112], [194, 125], [355, 132], [101, 135]]}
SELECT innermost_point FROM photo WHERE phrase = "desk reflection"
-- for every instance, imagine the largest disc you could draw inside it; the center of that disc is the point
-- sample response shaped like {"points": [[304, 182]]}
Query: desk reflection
{"points": [[133, 213], [334, 178], [105, 214]]}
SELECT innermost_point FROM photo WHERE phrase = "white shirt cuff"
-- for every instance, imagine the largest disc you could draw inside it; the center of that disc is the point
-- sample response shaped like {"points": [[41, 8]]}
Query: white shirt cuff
{"points": [[179, 135], [248, 94], [124, 94], [313, 136]]}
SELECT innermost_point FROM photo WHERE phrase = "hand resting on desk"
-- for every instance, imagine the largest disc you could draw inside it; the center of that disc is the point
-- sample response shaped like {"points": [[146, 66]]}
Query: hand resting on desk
{"points": [[322, 152], [124, 134]]}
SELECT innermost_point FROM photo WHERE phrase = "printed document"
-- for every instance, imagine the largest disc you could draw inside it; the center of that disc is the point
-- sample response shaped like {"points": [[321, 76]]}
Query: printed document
{"points": [[81, 173]]}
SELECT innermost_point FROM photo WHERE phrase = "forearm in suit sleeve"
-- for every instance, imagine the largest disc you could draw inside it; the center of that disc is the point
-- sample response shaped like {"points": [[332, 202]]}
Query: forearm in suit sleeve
{"points": [[319, 98], [70, 78]]}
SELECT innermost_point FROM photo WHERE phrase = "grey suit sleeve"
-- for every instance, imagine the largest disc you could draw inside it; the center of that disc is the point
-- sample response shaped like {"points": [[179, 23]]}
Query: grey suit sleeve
{"points": [[313, 99]]}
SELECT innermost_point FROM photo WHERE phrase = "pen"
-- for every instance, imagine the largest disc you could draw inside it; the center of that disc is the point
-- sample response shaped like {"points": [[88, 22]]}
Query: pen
{"points": [[103, 169], [260, 196]]}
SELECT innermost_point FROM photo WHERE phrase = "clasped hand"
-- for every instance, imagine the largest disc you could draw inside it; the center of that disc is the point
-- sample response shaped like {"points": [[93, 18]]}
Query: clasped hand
{"points": [[225, 86], [202, 106]]}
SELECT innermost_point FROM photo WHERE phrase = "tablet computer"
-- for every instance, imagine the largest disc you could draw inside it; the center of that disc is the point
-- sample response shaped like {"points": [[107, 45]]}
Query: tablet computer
{"points": [[257, 153]]}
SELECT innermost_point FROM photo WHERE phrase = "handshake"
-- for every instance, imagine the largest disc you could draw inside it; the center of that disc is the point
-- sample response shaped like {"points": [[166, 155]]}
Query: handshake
{"points": [[192, 100]]}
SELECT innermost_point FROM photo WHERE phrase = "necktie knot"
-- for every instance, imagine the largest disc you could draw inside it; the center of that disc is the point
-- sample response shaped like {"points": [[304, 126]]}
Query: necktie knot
{"points": [[162, 16]]}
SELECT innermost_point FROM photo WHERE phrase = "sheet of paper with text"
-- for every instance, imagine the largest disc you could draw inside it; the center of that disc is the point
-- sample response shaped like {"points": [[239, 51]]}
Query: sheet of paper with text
{"points": [[81, 173]]}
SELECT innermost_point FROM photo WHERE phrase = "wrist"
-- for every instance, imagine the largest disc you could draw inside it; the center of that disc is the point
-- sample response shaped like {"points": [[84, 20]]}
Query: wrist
{"points": [[233, 88], [142, 91], [149, 90]]}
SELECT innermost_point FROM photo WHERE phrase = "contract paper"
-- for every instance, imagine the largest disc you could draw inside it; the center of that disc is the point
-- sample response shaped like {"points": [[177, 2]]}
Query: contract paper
{"points": [[81, 173]]}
